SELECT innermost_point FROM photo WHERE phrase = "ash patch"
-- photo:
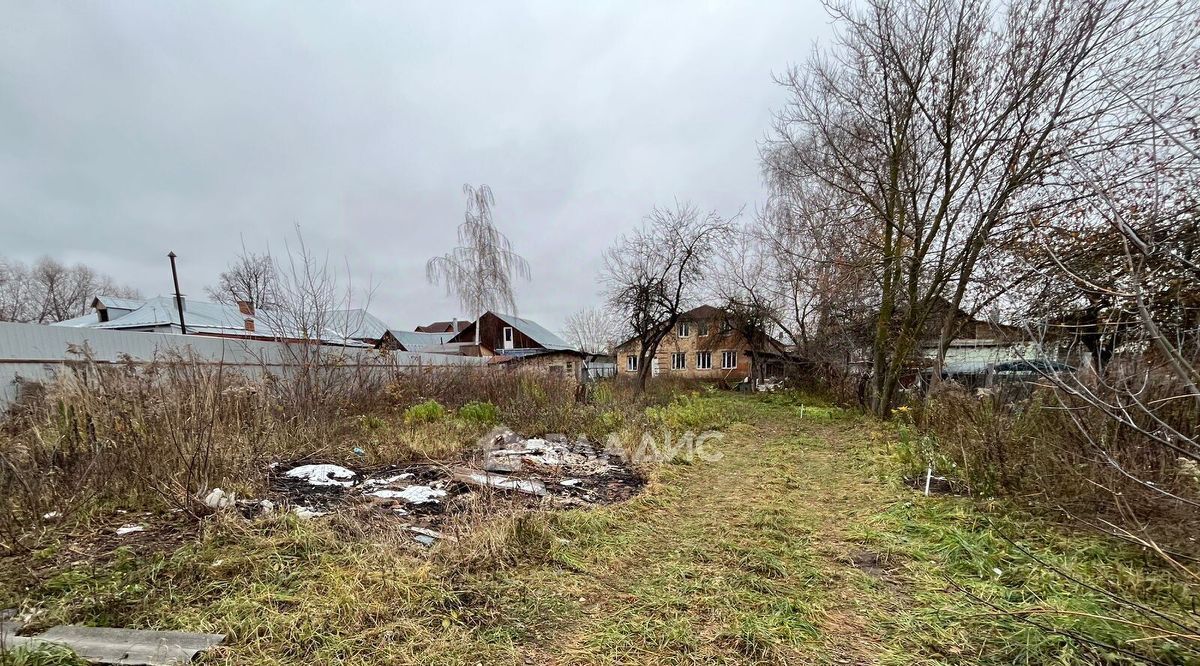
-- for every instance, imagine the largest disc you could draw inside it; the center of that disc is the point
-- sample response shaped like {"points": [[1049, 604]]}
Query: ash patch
{"points": [[574, 471], [554, 470]]}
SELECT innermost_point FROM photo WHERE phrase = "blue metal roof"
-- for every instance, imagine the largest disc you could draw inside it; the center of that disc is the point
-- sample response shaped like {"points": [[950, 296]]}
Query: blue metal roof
{"points": [[119, 303], [161, 312], [357, 323], [417, 341], [536, 332]]}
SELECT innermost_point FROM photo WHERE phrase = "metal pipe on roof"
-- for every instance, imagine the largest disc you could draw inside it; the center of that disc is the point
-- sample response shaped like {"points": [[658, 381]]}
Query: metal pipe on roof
{"points": [[178, 296]]}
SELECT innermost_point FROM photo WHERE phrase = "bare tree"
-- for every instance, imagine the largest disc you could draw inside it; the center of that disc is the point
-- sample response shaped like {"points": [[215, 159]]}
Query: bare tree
{"points": [[593, 331], [742, 283], [314, 310], [481, 269], [249, 278], [17, 294], [655, 273], [51, 291], [936, 120], [1126, 270]]}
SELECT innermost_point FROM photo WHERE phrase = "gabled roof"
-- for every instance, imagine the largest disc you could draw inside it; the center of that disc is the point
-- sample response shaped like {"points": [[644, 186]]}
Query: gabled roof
{"points": [[357, 323], [455, 326], [83, 321], [414, 341], [699, 313], [703, 312], [117, 303], [535, 331], [201, 317]]}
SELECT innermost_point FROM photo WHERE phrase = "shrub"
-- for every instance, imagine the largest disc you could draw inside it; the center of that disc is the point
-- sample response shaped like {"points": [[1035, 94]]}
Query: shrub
{"points": [[688, 412], [602, 393], [918, 452], [611, 420], [994, 445], [430, 411], [483, 413]]}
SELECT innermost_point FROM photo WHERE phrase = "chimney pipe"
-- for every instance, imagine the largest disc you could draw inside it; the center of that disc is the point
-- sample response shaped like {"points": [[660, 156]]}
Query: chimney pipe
{"points": [[249, 323], [178, 296], [246, 308]]}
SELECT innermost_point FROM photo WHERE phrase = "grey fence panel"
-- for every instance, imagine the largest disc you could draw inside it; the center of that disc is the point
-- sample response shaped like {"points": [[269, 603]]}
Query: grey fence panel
{"points": [[32, 352]]}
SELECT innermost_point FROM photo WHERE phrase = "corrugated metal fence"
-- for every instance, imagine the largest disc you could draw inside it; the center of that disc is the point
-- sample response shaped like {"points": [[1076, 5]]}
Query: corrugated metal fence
{"points": [[32, 352]]}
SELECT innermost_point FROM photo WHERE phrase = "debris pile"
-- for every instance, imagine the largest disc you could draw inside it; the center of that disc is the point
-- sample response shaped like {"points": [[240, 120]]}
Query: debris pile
{"points": [[553, 470]]}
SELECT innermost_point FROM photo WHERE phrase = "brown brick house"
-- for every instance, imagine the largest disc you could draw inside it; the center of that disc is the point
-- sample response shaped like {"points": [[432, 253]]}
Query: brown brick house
{"points": [[703, 345]]}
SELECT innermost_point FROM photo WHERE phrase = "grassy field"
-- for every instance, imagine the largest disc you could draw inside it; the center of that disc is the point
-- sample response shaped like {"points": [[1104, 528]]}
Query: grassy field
{"points": [[795, 544]]}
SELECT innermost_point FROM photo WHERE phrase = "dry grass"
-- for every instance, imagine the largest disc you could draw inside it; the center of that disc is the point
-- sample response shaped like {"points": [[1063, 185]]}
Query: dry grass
{"points": [[786, 549], [158, 437], [1034, 448]]}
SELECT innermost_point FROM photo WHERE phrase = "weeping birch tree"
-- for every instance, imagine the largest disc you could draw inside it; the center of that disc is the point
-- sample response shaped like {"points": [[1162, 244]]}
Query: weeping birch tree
{"points": [[480, 271]]}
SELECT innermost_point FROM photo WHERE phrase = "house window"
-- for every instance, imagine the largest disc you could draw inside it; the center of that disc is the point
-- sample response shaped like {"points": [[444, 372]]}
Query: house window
{"points": [[728, 360], [683, 329], [631, 363], [704, 360], [508, 335], [678, 361], [702, 328], [726, 326]]}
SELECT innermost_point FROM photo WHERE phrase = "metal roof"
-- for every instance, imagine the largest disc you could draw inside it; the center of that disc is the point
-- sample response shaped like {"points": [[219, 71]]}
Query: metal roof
{"points": [[118, 303], [418, 341], [78, 322], [357, 323], [161, 312], [533, 351], [536, 332], [455, 326]]}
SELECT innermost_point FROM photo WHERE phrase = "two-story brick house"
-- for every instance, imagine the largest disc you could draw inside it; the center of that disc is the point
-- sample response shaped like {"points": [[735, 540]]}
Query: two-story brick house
{"points": [[703, 345]]}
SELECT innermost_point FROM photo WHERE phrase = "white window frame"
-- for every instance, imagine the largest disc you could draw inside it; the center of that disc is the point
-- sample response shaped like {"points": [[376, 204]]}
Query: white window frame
{"points": [[726, 355], [679, 360], [683, 329], [704, 360], [631, 363]]}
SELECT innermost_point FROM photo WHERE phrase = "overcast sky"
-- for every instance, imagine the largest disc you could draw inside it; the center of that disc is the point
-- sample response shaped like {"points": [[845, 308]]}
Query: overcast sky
{"points": [[128, 129]]}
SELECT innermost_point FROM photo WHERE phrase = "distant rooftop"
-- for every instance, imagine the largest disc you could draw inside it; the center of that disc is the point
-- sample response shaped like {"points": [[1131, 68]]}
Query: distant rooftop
{"points": [[160, 314], [536, 331]]}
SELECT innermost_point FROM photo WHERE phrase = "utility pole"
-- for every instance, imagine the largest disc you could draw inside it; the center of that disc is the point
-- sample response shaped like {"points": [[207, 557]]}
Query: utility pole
{"points": [[178, 297]]}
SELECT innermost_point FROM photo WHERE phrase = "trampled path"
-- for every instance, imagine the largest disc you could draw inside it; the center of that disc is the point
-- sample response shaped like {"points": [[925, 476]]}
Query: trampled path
{"points": [[749, 558]]}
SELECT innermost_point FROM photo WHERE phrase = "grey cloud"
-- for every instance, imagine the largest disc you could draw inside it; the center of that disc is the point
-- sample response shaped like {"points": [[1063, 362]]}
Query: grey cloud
{"points": [[129, 129]]}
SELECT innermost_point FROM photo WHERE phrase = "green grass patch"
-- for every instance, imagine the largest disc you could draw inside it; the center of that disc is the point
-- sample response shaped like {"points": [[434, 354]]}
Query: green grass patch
{"points": [[42, 655], [974, 579]]}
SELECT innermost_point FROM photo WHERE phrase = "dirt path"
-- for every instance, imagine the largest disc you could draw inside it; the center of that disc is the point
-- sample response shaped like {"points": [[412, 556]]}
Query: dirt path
{"points": [[748, 558]]}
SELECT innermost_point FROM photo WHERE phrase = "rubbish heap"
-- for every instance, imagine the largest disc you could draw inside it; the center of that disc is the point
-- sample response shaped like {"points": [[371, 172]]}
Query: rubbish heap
{"points": [[553, 470]]}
